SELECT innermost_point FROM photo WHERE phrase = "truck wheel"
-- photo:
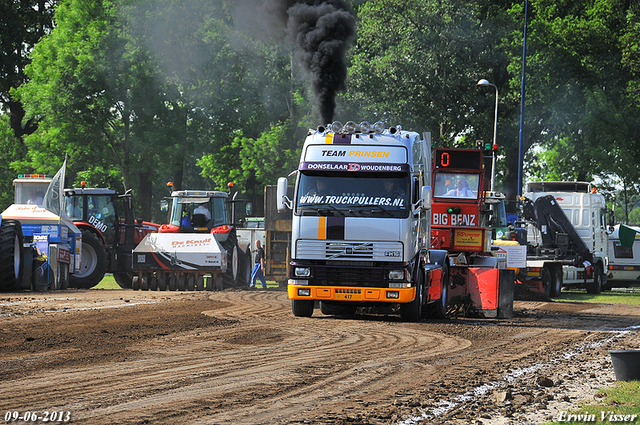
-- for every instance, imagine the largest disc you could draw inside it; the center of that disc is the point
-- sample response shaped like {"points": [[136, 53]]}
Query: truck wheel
{"points": [[173, 282], [596, 286], [182, 282], [302, 308], [412, 311], [135, 283], [93, 262], [547, 282], [10, 255], [556, 288], [123, 279], [200, 283]]}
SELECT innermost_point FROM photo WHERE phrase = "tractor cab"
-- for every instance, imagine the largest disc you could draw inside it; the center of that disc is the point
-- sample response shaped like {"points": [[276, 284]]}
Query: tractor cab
{"points": [[195, 211]]}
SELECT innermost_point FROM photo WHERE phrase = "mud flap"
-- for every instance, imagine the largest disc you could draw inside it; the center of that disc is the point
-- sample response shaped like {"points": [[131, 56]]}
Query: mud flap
{"points": [[506, 293]]}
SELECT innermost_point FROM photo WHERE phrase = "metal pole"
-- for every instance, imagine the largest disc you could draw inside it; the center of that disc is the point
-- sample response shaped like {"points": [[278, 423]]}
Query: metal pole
{"points": [[493, 151], [522, 91]]}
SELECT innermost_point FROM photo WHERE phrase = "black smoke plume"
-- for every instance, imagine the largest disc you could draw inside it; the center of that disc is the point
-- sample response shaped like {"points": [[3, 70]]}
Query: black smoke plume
{"points": [[321, 31]]}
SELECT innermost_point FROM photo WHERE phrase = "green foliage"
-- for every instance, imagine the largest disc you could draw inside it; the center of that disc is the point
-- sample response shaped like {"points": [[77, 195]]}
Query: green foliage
{"points": [[10, 150]]}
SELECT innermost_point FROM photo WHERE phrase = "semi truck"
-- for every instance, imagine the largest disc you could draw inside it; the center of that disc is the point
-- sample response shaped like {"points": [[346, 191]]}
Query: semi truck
{"points": [[565, 230], [361, 224]]}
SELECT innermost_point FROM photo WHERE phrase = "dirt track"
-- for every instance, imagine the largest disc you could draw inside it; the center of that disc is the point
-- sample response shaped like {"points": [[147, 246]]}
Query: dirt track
{"points": [[240, 357]]}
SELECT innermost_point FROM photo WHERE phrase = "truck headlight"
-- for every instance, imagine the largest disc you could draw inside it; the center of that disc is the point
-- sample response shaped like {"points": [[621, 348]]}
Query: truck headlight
{"points": [[302, 272], [393, 295], [396, 274], [298, 282]]}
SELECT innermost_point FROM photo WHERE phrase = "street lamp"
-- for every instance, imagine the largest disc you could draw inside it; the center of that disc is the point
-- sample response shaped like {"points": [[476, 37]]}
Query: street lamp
{"points": [[485, 83]]}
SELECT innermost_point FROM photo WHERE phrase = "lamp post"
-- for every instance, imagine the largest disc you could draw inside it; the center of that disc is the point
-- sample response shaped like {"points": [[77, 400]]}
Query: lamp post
{"points": [[485, 83]]}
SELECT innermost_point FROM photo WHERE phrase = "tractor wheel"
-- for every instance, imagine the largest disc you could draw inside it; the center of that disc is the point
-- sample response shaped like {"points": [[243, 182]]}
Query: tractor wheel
{"points": [[438, 309], [123, 279], [230, 277], [547, 281], [173, 282], [191, 282], [412, 311], [598, 278], [200, 283], [153, 282], [10, 255], [93, 262], [162, 281], [302, 308]]}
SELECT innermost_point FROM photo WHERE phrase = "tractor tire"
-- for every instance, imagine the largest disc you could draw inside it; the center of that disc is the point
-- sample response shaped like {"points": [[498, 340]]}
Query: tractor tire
{"points": [[230, 277], [438, 309], [162, 281], [10, 255], [302, 308], [93, 262], [123, 279], [412, 311]]}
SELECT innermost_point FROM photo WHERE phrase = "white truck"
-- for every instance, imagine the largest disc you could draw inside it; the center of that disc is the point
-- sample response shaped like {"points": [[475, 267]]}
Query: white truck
{"points": [[361, 224], [566, 237], [624, 261]]}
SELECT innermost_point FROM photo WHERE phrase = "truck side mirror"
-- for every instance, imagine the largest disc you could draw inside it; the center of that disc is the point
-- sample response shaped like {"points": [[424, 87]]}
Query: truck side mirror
{"points": [[282, 202], [164, 205], [425, 196]]}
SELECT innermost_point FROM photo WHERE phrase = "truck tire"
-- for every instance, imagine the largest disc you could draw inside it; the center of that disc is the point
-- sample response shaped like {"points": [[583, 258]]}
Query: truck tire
{"points": [[547, 281], [556, 275], [302, 308], [10, 255], [412, 311], [93, 262], [598, 278], [123, 279]]}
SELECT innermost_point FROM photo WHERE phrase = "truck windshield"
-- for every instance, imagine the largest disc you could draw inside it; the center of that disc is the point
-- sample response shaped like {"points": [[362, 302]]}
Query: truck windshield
{"points": [[453, 185], [354, 194]]}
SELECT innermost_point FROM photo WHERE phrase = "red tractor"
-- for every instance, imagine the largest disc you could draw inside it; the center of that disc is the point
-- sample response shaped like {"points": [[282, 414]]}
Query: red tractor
{"points": [[479, 282], [109, 234]]}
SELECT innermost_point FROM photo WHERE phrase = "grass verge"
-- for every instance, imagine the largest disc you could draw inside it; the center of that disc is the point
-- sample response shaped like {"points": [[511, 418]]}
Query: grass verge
{"points": [[618, 404]]}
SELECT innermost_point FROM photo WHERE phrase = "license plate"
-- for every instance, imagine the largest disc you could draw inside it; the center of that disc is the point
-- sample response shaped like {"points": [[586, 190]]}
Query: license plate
{"points": [[348, 294]]}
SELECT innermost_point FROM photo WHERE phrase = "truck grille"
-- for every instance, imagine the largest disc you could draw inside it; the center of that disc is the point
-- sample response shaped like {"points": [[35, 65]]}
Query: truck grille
{"points": [[349, 276], [341, 250]]}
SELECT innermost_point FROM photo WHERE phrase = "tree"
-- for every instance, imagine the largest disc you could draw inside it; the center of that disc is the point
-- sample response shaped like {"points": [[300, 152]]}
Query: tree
{"points": [[22, 24]]}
